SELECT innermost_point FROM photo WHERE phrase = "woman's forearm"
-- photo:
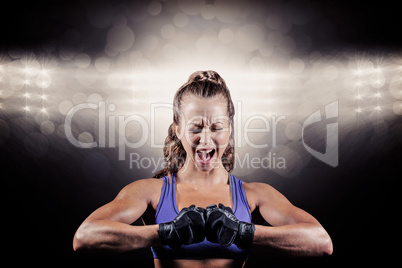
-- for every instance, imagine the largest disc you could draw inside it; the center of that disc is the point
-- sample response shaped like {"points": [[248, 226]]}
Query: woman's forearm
{"points": [[114, 236], [301, 239]]}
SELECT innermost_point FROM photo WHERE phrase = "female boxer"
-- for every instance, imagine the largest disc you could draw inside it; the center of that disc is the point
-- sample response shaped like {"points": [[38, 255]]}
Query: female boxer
{"points": [[195, 212]]}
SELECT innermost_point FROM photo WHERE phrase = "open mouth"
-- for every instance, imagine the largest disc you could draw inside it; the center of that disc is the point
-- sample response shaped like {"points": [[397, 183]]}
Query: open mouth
{"points": [[205, 154]]}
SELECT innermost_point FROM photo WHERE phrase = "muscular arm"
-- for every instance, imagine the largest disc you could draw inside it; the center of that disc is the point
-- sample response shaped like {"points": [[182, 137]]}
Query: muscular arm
{"points": [[108, 227], [293, 231]]}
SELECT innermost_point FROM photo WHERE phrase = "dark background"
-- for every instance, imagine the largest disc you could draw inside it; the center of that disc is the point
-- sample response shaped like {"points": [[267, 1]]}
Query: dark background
{"points": [[46, 198], [364, 25]]}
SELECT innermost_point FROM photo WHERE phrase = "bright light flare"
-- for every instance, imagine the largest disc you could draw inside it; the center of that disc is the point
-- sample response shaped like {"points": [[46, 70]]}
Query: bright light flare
{"points": [[44, 72]]}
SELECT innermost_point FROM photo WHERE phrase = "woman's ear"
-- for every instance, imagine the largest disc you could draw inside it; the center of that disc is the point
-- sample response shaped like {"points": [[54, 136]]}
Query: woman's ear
{"points": [[177, 132]]}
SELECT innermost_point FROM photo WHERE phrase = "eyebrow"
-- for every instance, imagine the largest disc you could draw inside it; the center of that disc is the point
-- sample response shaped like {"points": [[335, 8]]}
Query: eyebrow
{"points": [[192, 123], [198, 124]]}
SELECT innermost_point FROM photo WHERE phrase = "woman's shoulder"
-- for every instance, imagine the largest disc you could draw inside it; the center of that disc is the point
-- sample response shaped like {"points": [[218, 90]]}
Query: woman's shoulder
{"points": [[256, 192], [143, 187], [150, 181], [257, 186], [146, 183], [261, 188]]}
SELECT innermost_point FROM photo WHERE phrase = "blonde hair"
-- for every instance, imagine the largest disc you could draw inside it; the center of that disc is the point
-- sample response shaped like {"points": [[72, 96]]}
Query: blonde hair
{"points": [[203, 84]]}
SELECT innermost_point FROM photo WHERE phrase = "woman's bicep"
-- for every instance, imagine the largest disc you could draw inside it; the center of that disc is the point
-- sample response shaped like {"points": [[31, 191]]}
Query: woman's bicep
{"points": [[127, 207], [277, 210]]}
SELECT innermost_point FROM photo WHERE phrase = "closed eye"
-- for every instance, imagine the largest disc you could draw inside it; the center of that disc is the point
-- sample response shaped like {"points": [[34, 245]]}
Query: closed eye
{"points": [[196, 130], [217, 127]]}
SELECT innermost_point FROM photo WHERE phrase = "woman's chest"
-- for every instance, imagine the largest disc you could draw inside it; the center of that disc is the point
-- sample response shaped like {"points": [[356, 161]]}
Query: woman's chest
{"points": [[202, 196]]}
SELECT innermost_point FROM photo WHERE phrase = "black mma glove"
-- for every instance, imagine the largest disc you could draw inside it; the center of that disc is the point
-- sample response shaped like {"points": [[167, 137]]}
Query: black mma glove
{"points": [[224, 228], [187, 228]]}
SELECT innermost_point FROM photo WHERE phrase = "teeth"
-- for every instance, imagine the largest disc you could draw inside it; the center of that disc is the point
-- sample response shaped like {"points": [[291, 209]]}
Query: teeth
{"points": [[206, 152]]}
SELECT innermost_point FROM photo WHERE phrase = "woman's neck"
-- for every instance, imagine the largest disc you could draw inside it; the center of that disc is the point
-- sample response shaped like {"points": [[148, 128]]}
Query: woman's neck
{"points": [[190, 175]]}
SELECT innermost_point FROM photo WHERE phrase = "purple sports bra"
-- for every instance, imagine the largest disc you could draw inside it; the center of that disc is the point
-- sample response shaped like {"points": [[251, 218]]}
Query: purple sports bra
{"points": [[167, 210]]}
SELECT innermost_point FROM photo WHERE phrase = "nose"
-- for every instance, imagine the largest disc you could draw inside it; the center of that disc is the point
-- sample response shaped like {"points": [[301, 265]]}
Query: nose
{"points": [[205, 136]]}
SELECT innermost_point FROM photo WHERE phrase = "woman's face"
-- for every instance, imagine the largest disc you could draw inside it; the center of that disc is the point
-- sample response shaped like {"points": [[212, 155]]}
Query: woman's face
{"points": [[204, 130]]}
